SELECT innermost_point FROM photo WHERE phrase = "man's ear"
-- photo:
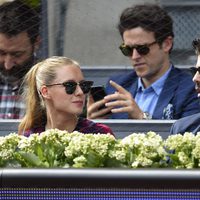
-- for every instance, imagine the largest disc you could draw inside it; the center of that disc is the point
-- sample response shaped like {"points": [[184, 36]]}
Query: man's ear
{"points": [[44, 92], [167, 44]]}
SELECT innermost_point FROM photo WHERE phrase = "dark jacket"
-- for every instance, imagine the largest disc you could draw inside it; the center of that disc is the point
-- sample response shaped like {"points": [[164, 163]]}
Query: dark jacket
{"points": [[187, 124], [178, 97]]}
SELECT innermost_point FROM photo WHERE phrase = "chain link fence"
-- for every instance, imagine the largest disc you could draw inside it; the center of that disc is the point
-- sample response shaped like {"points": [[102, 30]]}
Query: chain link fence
{"points": [[186, 17], [86, 29]]}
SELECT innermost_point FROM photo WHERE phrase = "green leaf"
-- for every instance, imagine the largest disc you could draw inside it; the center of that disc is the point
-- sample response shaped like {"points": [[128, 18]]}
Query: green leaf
{"points": [[33, 160]]}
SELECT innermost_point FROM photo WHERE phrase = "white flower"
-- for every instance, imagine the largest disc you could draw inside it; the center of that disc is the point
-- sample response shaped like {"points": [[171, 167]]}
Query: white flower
{"points": [[55, 148]]}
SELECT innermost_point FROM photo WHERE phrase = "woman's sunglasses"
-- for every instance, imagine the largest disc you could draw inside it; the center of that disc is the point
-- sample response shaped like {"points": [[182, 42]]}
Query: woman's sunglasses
{"points": [[70, 86], [141, 49]]}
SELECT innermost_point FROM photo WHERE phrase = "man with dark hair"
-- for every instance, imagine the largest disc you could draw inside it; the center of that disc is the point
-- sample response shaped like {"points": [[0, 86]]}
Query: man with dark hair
{"points": [[155, 89], [191, 123], [19, 39]]}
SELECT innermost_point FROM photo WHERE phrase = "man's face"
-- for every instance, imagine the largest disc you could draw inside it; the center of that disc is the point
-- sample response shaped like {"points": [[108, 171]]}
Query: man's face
{"points": [[156, 62], [196, 77], [16, 56]]}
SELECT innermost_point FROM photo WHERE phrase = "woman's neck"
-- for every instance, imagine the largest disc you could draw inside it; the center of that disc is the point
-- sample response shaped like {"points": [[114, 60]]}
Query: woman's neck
{"points": [[68, 124]]}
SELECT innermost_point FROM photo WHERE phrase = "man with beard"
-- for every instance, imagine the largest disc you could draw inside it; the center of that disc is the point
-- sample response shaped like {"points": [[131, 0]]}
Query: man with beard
{"points": [[155, 89], [19, 39], [191, 123]]}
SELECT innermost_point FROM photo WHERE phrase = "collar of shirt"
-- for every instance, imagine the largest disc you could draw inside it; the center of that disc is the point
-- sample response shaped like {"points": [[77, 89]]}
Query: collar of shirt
{"points": [[157, 86], [8, 86]]}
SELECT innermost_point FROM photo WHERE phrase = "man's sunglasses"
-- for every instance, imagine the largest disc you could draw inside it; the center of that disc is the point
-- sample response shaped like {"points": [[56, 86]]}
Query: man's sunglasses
{"points": [[70, 86], [141, 49], [194, 70]]}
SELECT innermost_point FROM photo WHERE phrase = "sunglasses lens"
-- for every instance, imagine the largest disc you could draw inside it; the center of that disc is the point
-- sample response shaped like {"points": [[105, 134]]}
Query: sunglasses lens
{"points": [[86, 86], [194, 70], [126, 50], [142, 49], [70, 87]]}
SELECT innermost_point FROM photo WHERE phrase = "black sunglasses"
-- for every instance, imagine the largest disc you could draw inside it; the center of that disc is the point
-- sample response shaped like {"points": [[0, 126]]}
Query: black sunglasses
{"points": [[141, 49], [194, 70], [70, 86]]}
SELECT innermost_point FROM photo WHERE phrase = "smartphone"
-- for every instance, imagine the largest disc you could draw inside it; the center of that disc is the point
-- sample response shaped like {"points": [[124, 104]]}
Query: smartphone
{"points": [[98, 92]]}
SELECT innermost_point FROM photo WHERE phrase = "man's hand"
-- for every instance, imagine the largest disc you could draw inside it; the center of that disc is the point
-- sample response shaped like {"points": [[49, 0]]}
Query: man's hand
{"points": [[122, 101]]}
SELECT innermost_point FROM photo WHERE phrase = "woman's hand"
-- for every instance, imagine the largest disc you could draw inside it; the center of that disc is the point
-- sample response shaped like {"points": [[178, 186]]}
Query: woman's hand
{"points": [[94, 111]]}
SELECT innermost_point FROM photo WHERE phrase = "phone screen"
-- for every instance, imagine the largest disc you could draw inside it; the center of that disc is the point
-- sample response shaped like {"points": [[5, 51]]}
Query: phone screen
{"points": [[98, 93]]}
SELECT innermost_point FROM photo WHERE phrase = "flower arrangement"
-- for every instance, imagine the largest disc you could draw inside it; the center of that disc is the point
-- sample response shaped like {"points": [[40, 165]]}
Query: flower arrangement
{"points": [[185, 150], [55, 148]]}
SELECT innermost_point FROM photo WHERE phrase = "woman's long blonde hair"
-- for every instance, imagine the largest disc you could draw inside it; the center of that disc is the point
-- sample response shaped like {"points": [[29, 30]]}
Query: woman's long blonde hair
{"points": [[43, 73]]}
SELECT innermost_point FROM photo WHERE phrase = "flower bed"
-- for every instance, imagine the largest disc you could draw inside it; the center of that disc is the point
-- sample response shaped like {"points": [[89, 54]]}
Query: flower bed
{"points": [[55, 148]]}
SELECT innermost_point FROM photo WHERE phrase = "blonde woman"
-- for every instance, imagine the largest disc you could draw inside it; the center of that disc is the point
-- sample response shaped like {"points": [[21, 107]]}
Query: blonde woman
{"points": [[55, 93]]}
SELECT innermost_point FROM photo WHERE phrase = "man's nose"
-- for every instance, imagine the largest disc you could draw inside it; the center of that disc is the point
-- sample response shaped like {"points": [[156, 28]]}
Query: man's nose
{"points": [[8, 62], [196, 78], [135, 54]]}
